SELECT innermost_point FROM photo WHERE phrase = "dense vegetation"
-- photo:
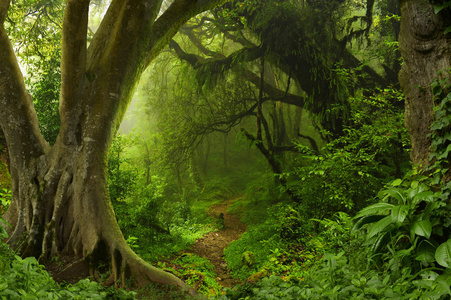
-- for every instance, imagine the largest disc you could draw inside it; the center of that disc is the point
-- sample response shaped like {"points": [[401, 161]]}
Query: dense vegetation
{"points": [[293, 109]]}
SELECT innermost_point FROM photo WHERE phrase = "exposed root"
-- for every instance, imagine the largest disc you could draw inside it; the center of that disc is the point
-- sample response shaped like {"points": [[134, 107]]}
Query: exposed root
{"points": [[125, 267], [59, 211], [75, 271]]}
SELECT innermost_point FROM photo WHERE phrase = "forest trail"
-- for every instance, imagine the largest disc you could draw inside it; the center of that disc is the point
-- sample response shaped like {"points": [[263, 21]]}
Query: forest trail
{"points": [[212, 245]]}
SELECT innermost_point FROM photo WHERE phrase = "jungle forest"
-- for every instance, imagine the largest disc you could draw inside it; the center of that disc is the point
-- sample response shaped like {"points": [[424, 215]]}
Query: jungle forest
{"points": [[225, 149]]}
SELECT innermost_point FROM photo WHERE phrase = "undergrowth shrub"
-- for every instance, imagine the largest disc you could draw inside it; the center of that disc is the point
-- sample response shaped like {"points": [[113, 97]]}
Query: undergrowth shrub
{"points": [[195, 271], [5, 199], [162, 224], [248, 254], [27, 279], [279, 239], [399, 247], [335, 264], [350, 170]]}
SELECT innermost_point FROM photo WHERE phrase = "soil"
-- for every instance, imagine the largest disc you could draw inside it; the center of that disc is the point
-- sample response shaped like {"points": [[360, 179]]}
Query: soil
{"points": [[211, 246]]}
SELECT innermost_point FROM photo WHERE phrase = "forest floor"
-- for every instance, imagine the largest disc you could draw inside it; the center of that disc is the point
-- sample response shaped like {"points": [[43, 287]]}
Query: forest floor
{"points": [[211, 246]]}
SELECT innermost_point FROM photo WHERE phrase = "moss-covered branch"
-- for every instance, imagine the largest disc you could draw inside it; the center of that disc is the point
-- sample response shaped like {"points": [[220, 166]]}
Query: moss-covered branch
{"points": [[73, 63], [18, 118]]}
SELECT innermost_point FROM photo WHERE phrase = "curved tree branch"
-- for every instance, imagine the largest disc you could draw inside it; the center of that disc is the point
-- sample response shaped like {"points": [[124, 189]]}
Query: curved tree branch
{"points": [[276, 94], [73, 65], [167, 25], [311, 140], [18, 118]]}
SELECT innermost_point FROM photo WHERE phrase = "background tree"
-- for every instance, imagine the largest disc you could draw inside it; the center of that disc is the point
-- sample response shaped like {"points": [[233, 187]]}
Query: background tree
{"points": [[291, 67]]}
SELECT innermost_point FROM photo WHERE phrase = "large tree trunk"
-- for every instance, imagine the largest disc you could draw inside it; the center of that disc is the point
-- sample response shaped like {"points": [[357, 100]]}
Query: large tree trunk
{"points": [[425, 50], [60, 202], [62, 207]]}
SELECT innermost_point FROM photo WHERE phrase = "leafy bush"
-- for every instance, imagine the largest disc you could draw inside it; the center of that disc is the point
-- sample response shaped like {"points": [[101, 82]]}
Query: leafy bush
{"points": [[351, 169], [121, 173], [348, 274], [250, 253], [6, 254], [195, 271], [272, 287], [5, 199], [26, 279], [411, 226], [162, 225]]}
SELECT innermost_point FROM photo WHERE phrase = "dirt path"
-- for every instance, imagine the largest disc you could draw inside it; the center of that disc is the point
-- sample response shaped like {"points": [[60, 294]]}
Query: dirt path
{"points": [[212, 245]]}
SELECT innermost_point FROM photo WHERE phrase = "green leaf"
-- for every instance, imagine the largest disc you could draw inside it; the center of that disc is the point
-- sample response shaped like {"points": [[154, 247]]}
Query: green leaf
{"points": [[439, 7], [422, 228], [379, 226], [368, 220], [399, 213], [380, 242], [395, 194], [431, 206], [445, 286], [3, 286], [396, 182], [437, 90], [425, 252], [443, 254], [427, 196], [378, 208]]}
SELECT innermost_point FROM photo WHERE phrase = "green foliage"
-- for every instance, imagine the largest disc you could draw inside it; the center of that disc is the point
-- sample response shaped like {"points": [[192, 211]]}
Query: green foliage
{"points": [[284, 243], [406, 234], [5, 199], [295, 263], [272, 287], [341, 269], [441, 136], [3, 233], [121, 173], [35, 29], [195, 271], [336, 232], [159, 226], [6, 254], [27, 279], [132, 241], [411, 227], [250, 253], [44, 86], [352, 168], [444, 5]]}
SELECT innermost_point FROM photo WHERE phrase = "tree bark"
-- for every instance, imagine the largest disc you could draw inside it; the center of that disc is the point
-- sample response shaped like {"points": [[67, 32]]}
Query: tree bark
{"points": [[60, 202], [425, 51]]}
